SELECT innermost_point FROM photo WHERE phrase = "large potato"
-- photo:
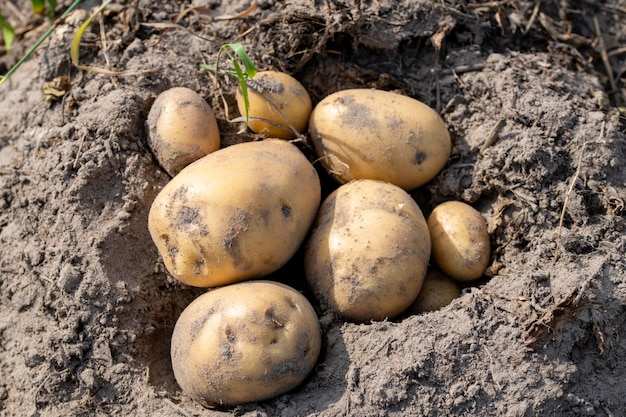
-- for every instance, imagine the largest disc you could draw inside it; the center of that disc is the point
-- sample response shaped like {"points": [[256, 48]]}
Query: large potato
{"points": [[238, 213], [375, 134], [181, 129], [460, 240], [245, 342], [368, 252], [276, 100]]}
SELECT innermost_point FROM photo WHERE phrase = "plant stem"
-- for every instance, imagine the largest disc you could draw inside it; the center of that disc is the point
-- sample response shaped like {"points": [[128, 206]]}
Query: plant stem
{"points": [[33, 48]]}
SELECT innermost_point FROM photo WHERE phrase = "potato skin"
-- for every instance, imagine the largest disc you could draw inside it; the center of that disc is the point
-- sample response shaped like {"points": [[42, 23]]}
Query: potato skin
{"points": [[181, 129], [237, 213], [245, 342], [461, 246], [361, 133], [368, 252], [287, 94], [438, 291]]}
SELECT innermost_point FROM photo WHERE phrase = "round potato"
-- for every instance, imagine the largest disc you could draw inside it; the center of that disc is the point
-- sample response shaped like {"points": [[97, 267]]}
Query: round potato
{"points": [[438, 291], [245, 342], [368, 252], [460, 241], [181, 129], [375, 134], [237, 213], [278, 102]]}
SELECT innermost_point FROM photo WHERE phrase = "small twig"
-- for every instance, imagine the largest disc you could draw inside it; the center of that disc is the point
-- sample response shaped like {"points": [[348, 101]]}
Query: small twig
{"points": [[533, 16], [493, 135], [617, 51], [105, 46], [605, 59], [489, 4], [80, 149], [241, 15], [493, 377], [42, 383], [462, 69], [16, 11], [569, 193]]}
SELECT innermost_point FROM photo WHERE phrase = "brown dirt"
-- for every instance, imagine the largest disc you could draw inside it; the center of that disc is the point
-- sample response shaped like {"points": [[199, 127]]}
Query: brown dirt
{"points": [[86, 308]]}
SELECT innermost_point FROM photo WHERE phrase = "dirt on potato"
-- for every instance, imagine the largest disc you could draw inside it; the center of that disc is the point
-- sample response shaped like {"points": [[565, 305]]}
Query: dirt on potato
{"points": [[533, 94]]}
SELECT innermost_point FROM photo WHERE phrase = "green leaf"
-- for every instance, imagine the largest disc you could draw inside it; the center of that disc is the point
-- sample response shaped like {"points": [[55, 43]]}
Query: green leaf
{"points": [[51, 7], [7, 33], [39, 6], [243, 56], [250, 70], [75, 46]]}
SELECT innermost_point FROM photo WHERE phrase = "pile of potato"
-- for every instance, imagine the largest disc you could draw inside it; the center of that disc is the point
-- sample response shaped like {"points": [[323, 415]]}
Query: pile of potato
{"points": [[234, 215]]}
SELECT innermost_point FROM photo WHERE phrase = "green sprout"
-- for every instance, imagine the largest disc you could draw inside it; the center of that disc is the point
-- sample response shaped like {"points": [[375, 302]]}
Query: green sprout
{"points": [[8, 34], [75, 47], [242, 76]]}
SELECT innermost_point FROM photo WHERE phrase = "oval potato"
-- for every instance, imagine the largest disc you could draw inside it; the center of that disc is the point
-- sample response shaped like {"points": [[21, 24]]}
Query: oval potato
{"points": [[245, 342], [238, 213], [278, 98], [181, 129], [460, 240], [361, 133], [368, 252], [438, 290]]}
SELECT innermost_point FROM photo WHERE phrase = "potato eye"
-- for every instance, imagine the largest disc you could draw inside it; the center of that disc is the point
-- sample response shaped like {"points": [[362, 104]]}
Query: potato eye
{"points": [[292, 303], [419, 158], [286, 210], [230, 335], [271, 316]]}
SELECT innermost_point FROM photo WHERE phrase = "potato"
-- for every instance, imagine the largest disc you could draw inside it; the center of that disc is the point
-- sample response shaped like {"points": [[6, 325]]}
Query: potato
{"points": [[181, 129], [280, 100], [460, 240], [438, 291], [237, 213], [375, 134], [245, 342], [368, 252]]}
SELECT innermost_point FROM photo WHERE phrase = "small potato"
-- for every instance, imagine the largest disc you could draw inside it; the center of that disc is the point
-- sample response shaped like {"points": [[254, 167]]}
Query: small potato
{"points": [[237, 213], [280, 100], [460, 240], [438, 291], [181, 129], [375, 134], [368, 252], [245, 342]]}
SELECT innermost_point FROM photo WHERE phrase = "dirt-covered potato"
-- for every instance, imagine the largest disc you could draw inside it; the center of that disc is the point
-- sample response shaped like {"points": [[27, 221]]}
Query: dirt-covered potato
{"points": [[460, 241], [438, 290], [368, 252], [245, 342], [280, 100], [181, 129], [375, 134], [237, 213]]}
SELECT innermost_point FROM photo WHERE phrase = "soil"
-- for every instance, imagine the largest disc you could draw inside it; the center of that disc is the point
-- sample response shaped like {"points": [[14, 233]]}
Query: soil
{"points": [[533, 94]]}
